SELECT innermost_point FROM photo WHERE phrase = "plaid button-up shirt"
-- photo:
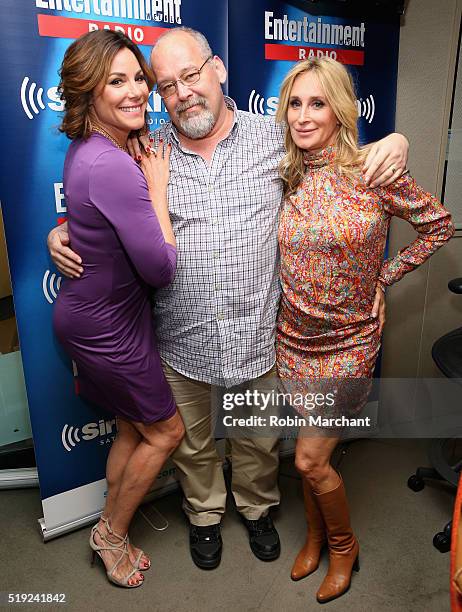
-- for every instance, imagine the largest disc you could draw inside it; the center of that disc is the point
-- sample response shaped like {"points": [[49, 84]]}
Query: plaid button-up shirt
{"points": [[216, 321]]}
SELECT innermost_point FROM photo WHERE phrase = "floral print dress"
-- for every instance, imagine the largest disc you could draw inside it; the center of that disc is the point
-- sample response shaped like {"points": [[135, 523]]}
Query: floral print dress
{"points": [[332, 238]]}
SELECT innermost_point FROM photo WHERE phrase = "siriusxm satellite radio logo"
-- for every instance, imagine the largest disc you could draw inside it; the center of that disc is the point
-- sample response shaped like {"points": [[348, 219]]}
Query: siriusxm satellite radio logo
{"points": [[51, 284], [33, 103], [71, 436], [366, 108], [259, 105], [32, 98]]}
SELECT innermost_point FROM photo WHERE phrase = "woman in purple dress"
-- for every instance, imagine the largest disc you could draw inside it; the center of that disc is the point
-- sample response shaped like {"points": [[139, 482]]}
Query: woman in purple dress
{"points": [[119, 223]]}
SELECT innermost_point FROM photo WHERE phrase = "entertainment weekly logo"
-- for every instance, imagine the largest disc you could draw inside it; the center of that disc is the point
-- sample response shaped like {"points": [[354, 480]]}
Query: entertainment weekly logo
{"points": [[70, 19], [35, 99], [259, 105], [167, 11]]}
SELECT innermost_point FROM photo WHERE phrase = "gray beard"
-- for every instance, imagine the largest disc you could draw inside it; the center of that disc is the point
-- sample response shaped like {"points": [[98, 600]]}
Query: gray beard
{"points": [[198, 126]]}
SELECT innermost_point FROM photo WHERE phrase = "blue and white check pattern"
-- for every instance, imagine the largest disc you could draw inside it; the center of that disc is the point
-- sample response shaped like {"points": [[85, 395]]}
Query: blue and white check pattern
{"points": [[216, 321]]}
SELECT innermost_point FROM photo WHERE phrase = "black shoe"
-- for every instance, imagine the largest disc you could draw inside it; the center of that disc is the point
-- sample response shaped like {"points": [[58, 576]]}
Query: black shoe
{"points": [[205, 545], [263, 538]]}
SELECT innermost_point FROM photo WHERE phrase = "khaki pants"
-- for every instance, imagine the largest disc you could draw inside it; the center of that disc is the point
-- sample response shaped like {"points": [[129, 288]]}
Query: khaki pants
{"points": [[255, 461]]}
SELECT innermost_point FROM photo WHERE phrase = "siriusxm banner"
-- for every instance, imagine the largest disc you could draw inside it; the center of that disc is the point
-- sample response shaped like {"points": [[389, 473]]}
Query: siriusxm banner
{"points": [[266, 37], [259, 41], [71, 439]]}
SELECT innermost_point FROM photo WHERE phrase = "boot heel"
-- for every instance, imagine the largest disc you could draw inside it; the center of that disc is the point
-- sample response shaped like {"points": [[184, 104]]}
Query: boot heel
{"points": [[356, 565]]}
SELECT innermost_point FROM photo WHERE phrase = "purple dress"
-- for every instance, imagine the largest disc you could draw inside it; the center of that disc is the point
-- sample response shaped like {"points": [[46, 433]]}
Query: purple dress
{"points": [[103, 319]]}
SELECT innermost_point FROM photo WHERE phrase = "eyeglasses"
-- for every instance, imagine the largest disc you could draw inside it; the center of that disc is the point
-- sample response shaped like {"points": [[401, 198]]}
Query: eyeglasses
{"points": [[165, 90]]}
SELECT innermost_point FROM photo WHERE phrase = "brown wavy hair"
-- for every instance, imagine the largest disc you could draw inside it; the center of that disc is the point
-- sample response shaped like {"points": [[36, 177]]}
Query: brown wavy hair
{"points": [[85, 65], [340, 93]]}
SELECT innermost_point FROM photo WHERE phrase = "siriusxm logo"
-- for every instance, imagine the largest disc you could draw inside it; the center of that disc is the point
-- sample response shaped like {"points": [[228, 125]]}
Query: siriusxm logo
{"points": [[71, 436], [258, 105], [32, 99], [366, 108], [51, 283]]}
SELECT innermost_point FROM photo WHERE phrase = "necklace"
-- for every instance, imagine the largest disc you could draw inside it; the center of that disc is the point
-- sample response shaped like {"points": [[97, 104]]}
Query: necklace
{"points": [[99, 130]]}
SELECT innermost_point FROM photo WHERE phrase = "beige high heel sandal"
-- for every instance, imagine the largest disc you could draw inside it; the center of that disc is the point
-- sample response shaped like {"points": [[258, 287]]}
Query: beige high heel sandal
{"points": [[137, 563], [122, 547]]}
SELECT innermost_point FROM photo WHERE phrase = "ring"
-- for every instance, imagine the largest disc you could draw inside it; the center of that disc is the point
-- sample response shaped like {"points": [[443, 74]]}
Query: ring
{"points": [[393, 169]]}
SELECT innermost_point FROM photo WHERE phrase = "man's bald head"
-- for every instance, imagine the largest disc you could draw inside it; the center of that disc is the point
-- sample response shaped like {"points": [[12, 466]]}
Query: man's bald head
{"points": [[180, 34]]}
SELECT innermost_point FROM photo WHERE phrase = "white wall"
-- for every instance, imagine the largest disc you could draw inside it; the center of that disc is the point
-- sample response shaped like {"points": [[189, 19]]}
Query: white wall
{"points": [[419, 307]]}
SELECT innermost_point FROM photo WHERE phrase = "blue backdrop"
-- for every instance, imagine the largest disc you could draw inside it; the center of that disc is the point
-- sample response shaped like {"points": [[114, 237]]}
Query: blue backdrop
{"points": [[71, 438], [255, 81]]}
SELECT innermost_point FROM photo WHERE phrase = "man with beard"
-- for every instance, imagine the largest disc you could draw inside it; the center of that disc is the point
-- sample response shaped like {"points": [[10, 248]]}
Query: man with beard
{"points": [[215, 324]]}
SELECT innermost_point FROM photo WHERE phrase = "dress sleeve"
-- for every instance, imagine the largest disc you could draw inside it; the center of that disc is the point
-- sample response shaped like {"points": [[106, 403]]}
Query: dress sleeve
{"points": [[118, 189], [405, 199]]}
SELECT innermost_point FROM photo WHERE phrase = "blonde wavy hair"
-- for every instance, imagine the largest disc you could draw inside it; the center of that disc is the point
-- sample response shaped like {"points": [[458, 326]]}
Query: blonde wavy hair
{"points": [[85, 65], [338, 88]]}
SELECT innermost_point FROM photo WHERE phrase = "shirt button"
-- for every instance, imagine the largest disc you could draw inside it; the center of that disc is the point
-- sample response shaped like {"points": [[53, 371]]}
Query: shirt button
{"points": [[217, 287], [220, 316], [210, 188], [215, 254], [213, 221]]}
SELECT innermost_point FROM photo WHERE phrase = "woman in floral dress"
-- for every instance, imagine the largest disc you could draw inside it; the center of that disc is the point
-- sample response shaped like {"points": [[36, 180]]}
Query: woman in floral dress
{"points": [[332, 238]]}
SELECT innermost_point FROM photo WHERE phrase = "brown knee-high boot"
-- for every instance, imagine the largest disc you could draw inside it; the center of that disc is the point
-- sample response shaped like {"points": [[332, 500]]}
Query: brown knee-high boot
{"points": [[343, 546], [307, 560]]}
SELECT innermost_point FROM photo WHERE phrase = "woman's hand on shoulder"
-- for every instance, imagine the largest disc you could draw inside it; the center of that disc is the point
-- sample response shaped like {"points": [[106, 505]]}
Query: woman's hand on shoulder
{"points": [[155, 164], [387, 160]]}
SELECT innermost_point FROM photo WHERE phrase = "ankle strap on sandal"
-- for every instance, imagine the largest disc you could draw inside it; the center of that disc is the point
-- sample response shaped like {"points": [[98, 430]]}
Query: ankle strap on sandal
{"points": [[123, 541]]}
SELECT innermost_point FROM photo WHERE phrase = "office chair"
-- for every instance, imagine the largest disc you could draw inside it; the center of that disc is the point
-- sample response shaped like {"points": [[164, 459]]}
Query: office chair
{"points": [[447, 355]]}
